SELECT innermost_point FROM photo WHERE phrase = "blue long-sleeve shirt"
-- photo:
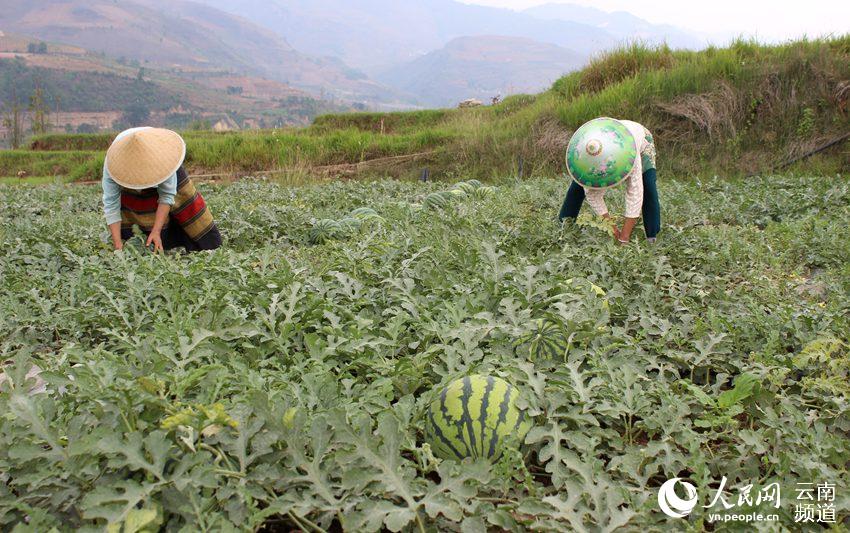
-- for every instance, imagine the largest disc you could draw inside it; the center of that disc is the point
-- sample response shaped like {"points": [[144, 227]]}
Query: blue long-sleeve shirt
{"points": [[112, 195]]}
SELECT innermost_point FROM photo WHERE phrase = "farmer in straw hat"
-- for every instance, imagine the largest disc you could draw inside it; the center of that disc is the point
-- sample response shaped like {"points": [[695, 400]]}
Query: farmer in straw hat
{"points": [[144, 184], [604, 153]]}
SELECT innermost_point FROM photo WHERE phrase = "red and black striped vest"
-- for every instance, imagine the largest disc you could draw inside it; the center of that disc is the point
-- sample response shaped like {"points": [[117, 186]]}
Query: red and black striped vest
{"points": [[189, 209]]}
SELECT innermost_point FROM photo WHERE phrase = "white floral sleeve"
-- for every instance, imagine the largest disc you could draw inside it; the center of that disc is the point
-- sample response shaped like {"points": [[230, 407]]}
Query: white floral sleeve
{"points": [[634, 195], [596, 199]]}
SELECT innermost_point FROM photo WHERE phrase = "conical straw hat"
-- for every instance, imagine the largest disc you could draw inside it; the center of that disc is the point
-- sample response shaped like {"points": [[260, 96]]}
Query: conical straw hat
{"points": [[145, 157], [602, 153]]}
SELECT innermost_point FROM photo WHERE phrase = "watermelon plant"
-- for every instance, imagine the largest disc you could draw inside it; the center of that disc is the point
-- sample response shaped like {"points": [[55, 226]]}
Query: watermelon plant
{"points": [[285, 381]]}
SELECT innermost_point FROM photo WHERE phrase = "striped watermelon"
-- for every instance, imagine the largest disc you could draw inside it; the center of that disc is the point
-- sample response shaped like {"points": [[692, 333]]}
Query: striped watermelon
{"points": [[436, 200], [350, 224], [325, 230], [475, 183], [447, 195], [475, 416], [365, 213], [546, 340], [483, 192], [466, 187]]}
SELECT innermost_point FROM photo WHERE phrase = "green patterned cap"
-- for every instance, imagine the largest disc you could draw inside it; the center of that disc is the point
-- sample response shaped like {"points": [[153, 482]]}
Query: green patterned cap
{"points": [[602, 153]]}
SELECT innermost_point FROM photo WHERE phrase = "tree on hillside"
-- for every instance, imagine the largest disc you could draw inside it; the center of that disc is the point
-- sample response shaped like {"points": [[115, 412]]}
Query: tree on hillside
{"points": [[40, 112], [135, 115], [37, 48], [58, 102], [13, 122], [200, 125]]}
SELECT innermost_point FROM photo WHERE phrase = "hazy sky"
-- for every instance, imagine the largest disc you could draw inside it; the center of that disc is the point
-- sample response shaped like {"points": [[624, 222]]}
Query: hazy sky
{"points": [[778, 19]]}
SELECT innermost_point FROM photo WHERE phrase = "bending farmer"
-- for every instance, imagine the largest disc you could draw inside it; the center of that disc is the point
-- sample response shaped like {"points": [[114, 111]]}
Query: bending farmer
{"points": [[604, 153], [144, 184]]}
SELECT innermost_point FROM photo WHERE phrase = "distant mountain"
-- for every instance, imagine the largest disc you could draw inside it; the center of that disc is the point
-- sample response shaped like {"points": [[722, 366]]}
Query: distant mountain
{"points": [[622, 25], [337, 49], [482, 67], [375, 34], [184, 34]]}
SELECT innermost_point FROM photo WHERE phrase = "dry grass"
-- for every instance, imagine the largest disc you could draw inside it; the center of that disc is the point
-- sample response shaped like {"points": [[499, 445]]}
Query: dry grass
{"points": [[550, 139], [842, 95], [714, 112]]}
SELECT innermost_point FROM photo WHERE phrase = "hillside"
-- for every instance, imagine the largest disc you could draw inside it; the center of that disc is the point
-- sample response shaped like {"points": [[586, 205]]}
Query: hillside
{"points": [[482, 67], [87, 91], [740, 110], [182, 34], [91, 91], [406, 29]]}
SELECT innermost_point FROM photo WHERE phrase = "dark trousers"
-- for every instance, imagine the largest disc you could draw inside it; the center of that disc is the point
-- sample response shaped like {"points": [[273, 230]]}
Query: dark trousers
{"points": [[651, 204], [174, 237]]}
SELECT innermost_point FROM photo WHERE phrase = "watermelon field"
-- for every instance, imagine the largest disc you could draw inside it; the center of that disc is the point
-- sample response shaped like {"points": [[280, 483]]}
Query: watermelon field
{"points": [[285, 381]]}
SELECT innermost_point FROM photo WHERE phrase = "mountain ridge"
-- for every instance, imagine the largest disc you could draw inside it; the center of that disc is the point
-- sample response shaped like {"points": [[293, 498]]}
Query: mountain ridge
{"points": [[405, 29], [482, 67], [622, 24]]}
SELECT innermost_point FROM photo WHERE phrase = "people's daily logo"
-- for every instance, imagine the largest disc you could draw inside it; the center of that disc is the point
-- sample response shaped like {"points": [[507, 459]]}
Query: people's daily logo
{"points": [[674, 506], [748, 503]]}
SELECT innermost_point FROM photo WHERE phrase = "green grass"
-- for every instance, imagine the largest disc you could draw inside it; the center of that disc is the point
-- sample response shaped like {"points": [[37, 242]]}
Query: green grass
{"points": [[32, 180], [614, 67], [59, 142], [64, 142], [390, 122], [245, 152], [738, 110], [292, 148], [47, 163]]}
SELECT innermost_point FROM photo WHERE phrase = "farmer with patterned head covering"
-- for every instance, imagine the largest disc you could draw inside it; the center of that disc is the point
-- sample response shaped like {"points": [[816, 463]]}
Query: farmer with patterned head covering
{"points": [[605, 153], [144, 185]]}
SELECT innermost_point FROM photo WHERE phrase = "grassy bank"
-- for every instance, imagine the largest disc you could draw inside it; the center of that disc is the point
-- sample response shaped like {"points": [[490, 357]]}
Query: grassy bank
{"points": [[78, 164], [229, 153], [739, 110]]}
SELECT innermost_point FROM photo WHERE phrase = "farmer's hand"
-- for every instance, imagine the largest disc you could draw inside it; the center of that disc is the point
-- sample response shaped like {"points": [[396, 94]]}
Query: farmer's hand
{"points": [[115, 233], [625, 234], [155, 238]]}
